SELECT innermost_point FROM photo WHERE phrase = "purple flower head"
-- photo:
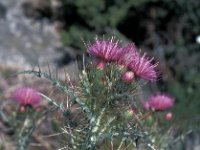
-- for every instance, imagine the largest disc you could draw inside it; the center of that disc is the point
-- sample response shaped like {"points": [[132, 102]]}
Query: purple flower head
{"points": [[105, 50], [130, 52], [140, 65], [26, 96], [143, 68], [159, 102]]}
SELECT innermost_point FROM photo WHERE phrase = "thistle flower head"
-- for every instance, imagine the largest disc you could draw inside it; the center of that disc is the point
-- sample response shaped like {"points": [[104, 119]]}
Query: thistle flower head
{"points": [[26, 96], [106, 50], [140, 65], [130, 52], [159, 102], [143, 68]]}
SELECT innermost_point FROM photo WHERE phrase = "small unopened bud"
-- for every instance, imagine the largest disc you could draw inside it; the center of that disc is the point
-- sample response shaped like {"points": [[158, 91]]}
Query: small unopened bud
{"points": [[128, 114], [128, 76], [22, 109], [39, 109], [168, 116], [146, 105], [101, 65]]}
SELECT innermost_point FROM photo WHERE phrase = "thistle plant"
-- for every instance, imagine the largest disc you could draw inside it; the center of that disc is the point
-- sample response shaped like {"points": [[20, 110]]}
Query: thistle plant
{"points": [[28, 100], [103, 110]]}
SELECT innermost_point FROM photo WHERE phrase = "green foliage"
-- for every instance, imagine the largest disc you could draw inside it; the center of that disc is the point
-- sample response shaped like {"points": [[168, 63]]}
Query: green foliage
{"points": [[93, 17], [108, 113], [169, 28], [184, 84], [74, 35]]}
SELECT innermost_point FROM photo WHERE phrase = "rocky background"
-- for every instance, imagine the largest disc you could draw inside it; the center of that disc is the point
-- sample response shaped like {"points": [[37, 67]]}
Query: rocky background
{"points": [[28, 42], [49, 34]]}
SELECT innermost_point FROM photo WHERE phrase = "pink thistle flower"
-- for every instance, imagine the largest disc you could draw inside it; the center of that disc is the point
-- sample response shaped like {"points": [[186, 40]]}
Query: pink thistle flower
{"points": [[130, 52], [26, 96], [143, 68], [159, 102], [140, 65], [106, 50]]}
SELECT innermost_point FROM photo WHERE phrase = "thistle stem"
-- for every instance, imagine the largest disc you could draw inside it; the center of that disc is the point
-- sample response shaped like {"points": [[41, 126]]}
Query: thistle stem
{"points": [[25, 134]]}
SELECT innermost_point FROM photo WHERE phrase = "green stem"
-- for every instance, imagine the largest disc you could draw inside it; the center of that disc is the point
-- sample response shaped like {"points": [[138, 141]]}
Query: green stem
{"points": [[53, 102], [121, 143], [25, 134], [64, 88]]}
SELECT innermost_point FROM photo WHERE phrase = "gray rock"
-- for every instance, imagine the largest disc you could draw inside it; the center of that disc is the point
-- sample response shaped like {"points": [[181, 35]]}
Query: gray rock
{"points": [[26, 42], [37, 8]]}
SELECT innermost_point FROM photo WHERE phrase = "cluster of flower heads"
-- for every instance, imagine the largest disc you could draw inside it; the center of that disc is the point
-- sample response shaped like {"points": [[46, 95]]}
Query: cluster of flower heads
{"points": [[26, 96], [105, 51], [159, 102]]}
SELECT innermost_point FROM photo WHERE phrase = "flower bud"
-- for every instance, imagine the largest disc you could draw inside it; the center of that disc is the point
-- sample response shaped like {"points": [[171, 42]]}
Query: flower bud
{"points": [[128, 114], [128, 77], [22, 109], [168, 116], [101, 65]]}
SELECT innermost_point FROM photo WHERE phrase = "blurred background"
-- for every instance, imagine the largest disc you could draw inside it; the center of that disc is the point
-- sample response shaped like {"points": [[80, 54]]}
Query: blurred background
{"points": [[51, 32]]}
